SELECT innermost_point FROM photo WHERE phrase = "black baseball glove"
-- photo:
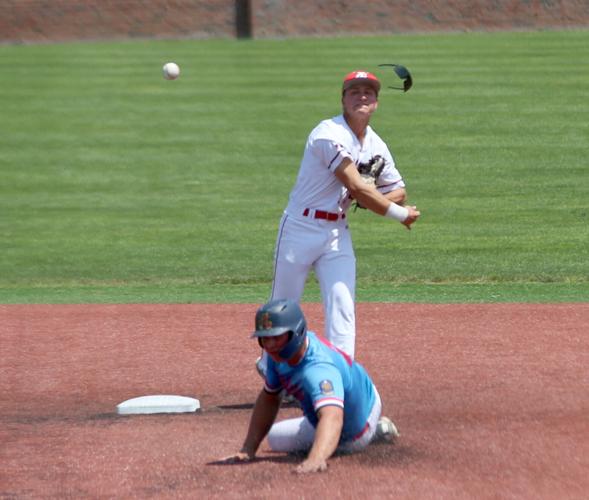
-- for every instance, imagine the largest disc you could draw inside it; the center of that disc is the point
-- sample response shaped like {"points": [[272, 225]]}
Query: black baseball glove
{"points": [[370, 172]]}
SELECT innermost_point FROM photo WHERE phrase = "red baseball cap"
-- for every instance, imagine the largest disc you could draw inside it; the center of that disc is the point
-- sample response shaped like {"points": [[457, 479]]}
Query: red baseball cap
{"points": [[365, 77]]}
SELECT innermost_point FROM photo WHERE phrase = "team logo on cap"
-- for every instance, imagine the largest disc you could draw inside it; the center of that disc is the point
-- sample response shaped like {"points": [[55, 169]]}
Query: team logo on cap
{"points": [[361, 77], [265, 322], [326, 387]]}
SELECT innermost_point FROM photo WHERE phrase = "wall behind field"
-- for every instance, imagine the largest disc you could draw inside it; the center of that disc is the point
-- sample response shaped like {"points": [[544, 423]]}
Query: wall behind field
{"points": [[38, 21], [65, 20]]}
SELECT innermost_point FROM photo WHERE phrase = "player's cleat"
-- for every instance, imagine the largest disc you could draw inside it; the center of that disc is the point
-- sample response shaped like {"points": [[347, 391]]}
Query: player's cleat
{"points": [[386, 430], [259, 367], [289, 399]]}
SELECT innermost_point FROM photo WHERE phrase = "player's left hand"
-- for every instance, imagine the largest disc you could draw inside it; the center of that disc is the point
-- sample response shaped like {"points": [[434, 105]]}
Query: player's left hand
{"points": [[309, 466], [236, 458]]}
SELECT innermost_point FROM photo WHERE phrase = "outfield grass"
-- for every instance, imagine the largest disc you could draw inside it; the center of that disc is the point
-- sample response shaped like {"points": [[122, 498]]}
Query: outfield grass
{"points": [[119, 186]]}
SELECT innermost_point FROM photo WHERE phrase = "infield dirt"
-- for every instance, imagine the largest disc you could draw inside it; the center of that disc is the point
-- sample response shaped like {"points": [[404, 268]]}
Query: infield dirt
{"points": [[491, 402]]}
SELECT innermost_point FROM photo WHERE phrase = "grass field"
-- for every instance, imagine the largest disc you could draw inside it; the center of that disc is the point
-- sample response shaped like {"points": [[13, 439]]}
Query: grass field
{"points": [[119, 186]]}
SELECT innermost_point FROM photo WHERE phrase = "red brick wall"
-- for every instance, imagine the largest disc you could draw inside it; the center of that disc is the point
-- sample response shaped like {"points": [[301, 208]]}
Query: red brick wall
{"points": [[310, 17], [60, 20]]}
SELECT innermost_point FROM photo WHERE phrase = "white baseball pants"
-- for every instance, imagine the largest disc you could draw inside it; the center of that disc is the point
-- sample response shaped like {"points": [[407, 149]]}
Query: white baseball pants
{"points": [[325, 246], [297, 434]]}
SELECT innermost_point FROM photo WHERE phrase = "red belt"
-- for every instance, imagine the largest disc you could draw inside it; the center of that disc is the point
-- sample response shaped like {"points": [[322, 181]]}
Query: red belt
{"points": [[322, 214]]}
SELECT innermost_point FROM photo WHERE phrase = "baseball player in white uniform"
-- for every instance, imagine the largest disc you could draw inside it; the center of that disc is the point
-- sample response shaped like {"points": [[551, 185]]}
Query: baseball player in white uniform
{"points": [[313, 231]]}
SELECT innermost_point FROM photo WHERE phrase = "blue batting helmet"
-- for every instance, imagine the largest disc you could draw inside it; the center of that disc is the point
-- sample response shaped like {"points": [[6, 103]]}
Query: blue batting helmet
{"points": [[278, 317]]}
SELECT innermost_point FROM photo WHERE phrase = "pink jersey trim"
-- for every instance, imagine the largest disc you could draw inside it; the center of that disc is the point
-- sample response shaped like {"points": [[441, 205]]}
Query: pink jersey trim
{"points": [[271, 390], [331, 346], [362, 432], [328, 402]]}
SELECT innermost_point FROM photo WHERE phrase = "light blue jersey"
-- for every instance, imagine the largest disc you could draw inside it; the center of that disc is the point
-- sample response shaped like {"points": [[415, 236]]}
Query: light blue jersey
{"points": [[326, 376]]}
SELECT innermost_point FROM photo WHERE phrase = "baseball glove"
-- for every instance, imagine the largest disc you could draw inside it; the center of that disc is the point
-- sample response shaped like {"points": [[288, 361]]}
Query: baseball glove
{"points": [[370, 172]]}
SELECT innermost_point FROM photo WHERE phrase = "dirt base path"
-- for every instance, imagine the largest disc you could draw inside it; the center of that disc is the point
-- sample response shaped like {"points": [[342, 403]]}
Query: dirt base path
{"points": [[491, 401]]}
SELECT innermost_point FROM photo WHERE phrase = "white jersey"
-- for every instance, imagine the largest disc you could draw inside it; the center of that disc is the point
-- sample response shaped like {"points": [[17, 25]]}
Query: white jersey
{"points": [[327, 146], [314, 232]]}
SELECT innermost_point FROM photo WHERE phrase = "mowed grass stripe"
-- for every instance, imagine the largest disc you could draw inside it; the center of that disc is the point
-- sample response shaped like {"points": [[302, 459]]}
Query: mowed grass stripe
{"points": [[113, 175]]}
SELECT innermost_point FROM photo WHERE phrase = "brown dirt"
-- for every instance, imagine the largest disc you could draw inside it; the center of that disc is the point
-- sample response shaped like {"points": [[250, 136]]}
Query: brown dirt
{"points": [[491, 401]]}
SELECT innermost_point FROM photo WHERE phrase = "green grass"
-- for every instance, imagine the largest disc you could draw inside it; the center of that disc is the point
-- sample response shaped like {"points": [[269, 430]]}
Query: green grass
{"points": [[119, 186]]}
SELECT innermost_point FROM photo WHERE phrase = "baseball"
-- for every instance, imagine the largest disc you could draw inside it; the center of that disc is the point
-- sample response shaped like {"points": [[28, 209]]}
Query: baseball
{"points": [[171, 71]]}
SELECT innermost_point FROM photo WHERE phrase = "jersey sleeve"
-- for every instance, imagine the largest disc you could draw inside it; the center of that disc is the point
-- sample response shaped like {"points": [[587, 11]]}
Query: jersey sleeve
{"points": [[331, 153], [272, 383], [325, 387], [390, 178]]}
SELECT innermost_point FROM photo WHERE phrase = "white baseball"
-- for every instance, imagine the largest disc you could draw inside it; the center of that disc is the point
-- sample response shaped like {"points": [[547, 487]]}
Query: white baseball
{"points": [[171, 71]]}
